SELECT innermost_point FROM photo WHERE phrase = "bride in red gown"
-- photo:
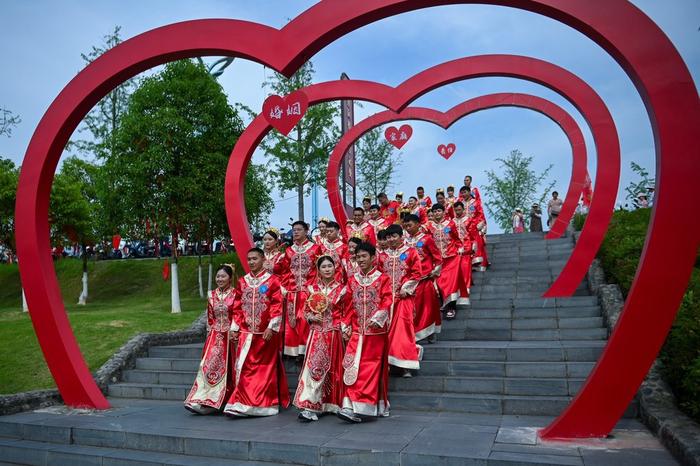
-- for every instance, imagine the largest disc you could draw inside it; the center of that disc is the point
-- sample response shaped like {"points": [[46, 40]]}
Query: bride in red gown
{"points": [[320, 386], [215, 376]]}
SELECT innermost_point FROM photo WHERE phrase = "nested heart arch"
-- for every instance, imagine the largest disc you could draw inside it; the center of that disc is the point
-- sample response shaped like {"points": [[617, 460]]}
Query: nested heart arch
{"points": [[567, 84], [626, 33], [446, 119]]}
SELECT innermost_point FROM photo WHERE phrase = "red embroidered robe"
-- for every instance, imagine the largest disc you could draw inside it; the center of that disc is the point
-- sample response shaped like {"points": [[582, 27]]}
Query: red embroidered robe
{"points": [[450, 281], [428, 319], [302, 269]]}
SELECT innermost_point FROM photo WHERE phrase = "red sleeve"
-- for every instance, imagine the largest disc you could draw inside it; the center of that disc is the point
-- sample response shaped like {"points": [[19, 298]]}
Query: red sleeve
{"points": [[414, 269], [371, 235], [433, 251], [238, 317], [386, 295], [210, 310], [275, 298]]}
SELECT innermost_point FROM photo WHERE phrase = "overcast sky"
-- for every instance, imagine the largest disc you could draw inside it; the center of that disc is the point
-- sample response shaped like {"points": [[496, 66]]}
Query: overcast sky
{"points": [[42, 42]]}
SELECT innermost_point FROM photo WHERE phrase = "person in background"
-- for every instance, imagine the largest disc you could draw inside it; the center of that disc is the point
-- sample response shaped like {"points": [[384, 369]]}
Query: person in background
{"points": [[359, 228], [466, 233], [518, 221], [553, 208], [423, 200], [381, 241], [336, 248], [388, 210], [322, 225], [350, 264], [261, 383], [535, 218], [377, 221], [275, 260], [446, 237]]}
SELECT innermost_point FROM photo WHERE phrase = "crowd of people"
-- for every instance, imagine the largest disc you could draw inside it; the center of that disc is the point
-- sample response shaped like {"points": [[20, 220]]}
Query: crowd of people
{"points": [[349, 305]]}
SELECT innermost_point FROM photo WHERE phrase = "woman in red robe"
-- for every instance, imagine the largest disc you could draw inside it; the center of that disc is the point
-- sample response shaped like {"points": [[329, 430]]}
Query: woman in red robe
{"points": [[334, 246], [366, 369], [350, 264], [477, 230], [320, 388], [215, 377], [276, 261], [261, 383]]}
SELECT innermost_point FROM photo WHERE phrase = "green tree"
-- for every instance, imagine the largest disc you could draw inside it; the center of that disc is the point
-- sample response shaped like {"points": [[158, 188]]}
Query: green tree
{"points": [[8, 120], [376, 163], [87, 225], [8, 194], [640, 187], [299, 161], [515, 186], [103, 120], [171, 152]]}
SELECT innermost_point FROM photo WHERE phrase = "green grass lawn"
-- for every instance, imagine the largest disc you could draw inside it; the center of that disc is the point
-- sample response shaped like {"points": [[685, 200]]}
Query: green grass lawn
{"points": [[125, 298]]}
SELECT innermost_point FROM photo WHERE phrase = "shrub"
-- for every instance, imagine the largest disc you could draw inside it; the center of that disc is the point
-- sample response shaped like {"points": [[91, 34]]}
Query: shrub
{"points": [[619, 255]]}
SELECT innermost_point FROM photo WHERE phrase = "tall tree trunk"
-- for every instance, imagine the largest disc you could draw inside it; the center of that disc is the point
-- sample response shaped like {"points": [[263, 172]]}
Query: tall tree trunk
{"points": [[211, 270], [300, 194], [199, 269], [82, 299], [174, 287], [25, 308]]}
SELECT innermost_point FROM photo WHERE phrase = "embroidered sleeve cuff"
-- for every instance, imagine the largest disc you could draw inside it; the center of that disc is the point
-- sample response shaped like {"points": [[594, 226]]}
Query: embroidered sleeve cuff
{"points": [[380, 318], [284, 291], [437, 270], [275, 323], [234, 326], [344, 327], [409, 287]]}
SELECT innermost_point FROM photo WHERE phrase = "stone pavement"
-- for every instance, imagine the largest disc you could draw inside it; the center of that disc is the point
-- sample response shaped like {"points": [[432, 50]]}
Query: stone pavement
{"points": [[153, 432]]}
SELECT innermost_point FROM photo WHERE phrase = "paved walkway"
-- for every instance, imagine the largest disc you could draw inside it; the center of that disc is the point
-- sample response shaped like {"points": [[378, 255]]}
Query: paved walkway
{"points": [[162, 432]]}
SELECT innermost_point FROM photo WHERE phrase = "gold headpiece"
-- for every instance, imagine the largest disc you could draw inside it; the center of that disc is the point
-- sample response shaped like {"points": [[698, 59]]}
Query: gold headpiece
{"points": [[399, 194], [324, 219], [440, 190], [274, 230], [324, 256]]}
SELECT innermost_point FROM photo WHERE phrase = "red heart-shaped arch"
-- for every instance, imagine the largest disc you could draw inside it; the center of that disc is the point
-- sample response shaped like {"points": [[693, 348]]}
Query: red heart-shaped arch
{"points": [[446, 119], [638, 44]]}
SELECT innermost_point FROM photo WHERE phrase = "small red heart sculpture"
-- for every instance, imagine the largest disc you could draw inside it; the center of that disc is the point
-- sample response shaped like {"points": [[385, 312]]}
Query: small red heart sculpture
{"points": [[398, 137], [283, 113], [446, 150]]}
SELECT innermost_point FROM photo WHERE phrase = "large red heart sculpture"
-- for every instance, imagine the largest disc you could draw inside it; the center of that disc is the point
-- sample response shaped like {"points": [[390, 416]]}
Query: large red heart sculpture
{"points": [[446, 151], [558, 79], [624, 31], [579, 171], [398, 137], [285, 112]]}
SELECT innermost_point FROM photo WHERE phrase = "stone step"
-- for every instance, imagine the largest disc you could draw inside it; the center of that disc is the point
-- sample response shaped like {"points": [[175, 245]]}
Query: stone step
{"points": [[425, 381], [30, 452], [450, 334], [530, 313], [429, 367], [422, 400], [505, 302], [520, 323], [514, 351]]}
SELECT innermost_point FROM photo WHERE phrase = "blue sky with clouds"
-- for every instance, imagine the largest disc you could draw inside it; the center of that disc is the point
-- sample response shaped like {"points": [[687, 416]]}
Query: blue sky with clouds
{"points": [[42, 41]]}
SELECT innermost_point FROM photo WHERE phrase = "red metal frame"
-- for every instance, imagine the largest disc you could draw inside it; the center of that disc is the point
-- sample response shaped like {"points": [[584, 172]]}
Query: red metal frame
{"points": [[632, 39], [446, 119], [556, 78]]}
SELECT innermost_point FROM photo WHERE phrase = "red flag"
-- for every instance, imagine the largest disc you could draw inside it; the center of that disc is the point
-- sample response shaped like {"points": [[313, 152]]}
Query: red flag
{"points": [[587, 191], [166, 270], [116, 239]]}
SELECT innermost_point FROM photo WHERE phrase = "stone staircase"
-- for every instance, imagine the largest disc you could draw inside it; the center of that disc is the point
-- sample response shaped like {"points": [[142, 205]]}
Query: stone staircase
{"points": [[510, 352]]}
